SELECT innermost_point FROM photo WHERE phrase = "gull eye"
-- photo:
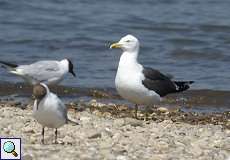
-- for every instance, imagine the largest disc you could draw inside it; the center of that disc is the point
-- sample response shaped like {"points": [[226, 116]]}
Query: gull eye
{"points": [[127, 41]]}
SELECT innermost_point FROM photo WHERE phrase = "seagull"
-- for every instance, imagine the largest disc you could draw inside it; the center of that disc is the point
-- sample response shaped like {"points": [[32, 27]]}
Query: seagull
{"points": [[138, 84], [47, 71], [48, 109]]}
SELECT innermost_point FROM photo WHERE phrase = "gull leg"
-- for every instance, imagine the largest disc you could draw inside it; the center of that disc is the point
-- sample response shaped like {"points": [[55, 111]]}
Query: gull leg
{"points": [[116, 109], [56, 132], [136, 108], [146, 113], [43, 135]]}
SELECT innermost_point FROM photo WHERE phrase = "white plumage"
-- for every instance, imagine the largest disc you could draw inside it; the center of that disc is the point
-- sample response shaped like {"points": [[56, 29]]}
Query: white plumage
{"points": [[138, 84], [48, 109], [129, 79], [48, 71]]}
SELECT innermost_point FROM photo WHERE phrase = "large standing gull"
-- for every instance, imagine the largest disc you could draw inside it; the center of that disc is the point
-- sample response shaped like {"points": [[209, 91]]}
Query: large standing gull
{"points": [[47, 71], [138, 84]]}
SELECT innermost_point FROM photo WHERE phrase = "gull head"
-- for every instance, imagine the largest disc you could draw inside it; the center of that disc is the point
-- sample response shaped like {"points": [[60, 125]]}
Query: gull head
{"points": [[39, 91], [71, 67], [128, 43]]}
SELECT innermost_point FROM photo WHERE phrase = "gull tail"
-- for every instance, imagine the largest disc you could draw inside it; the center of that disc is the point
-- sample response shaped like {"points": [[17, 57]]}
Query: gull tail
{"points": [[182, 85], [9, 65], [72, 122]]}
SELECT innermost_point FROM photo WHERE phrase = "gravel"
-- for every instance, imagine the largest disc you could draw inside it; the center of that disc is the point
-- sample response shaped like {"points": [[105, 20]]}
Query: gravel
{"points": [[113, 138]]}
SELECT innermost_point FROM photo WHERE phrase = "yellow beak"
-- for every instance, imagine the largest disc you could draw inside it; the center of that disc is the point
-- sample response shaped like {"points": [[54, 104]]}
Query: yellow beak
{"points": [[115, 45]]}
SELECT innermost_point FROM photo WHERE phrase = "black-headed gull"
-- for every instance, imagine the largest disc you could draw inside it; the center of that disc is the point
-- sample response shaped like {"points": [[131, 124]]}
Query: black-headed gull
{"points": [[47, 71], [48, 109]]}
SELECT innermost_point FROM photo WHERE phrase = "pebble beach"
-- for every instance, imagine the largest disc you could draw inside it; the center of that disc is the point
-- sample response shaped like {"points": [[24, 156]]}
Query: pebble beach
{"points": [[102, 134]]}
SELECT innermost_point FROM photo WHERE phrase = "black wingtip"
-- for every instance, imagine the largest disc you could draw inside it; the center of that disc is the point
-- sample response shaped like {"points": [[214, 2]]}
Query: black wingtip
{"points": [[9, 64], [183, 85], [191, 82]]}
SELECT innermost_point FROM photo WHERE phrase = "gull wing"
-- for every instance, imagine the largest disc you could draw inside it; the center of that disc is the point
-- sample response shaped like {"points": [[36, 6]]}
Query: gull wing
{"points": [[158, 82], [41, 71]]}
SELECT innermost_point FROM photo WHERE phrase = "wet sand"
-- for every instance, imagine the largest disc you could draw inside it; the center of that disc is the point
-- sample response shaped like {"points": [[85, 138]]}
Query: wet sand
{"points": [[197, 97], [192, 100]]}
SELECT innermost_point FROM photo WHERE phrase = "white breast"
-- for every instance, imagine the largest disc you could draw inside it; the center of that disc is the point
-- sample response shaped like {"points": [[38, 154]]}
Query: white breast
{"points": [[50, 113], [129, 83]]}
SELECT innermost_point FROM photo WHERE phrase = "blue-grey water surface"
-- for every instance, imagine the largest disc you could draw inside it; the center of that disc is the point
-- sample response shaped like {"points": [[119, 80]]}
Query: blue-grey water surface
{"points": [[189, 39]]}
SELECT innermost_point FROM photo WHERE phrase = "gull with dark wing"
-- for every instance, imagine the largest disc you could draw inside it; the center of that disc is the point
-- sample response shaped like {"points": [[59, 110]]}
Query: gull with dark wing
{"points": [[138, 84]]}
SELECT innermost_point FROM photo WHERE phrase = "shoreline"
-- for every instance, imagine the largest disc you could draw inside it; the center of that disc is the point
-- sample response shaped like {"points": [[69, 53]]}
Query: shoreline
{"points": [[206, 101], [107, 133]]}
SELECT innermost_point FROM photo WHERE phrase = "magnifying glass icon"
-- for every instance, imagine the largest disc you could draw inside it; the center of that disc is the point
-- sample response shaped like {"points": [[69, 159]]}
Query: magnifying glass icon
{"points": [[9, 147]]}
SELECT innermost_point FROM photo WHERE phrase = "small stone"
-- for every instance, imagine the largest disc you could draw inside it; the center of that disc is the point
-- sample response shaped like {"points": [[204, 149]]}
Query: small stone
{"points": [[182, 133], [163, 146], [163, 109], [116, 136], [119, 122], [167, 121], [93, 102], [95, 135], [85, 119], [68, 140], [33, 140], [107, 115], [133, 122], [120, 157], [97, 113], [107, 132], [27, 157], [7, 131], [28, 130]]}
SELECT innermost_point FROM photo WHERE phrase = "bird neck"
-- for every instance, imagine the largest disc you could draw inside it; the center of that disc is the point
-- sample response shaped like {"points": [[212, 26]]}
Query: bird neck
{"points": [[64, 65], [46, 87], [128, 59]]}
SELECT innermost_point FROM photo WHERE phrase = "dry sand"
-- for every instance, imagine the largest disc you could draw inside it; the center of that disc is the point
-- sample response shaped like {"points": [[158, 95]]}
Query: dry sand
{"points": [[111, 138]]}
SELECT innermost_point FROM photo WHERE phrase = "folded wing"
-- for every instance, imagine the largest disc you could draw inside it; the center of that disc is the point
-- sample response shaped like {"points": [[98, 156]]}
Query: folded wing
{"points": [[162, 84]]}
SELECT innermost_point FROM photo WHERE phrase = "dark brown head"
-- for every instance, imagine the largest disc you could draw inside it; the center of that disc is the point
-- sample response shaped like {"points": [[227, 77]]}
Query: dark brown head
{"points": [[39, 91], [71, 68]]}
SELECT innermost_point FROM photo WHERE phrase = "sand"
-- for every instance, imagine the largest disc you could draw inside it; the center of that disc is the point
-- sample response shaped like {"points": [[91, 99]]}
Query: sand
{"points": [[102, 136]]}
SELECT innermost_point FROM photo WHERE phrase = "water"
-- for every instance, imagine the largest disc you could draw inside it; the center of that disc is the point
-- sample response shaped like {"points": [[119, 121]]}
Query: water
{"points": [[189, 39]]}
